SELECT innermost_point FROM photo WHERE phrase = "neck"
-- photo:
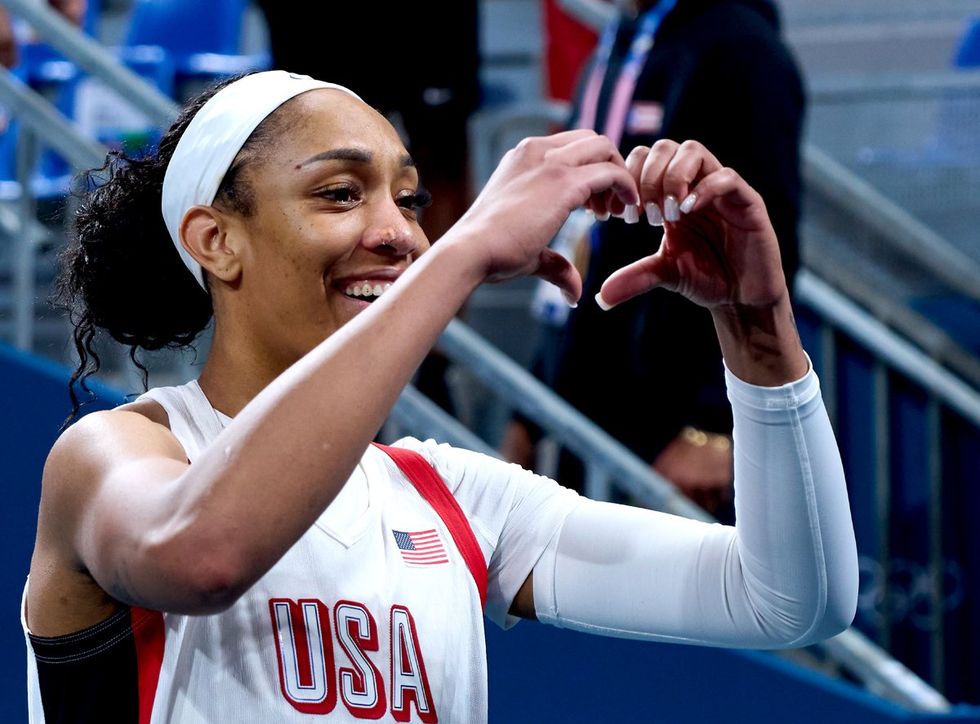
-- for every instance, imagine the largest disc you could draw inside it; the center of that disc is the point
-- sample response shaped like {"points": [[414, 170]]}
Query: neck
{"points": [[235, 372]]}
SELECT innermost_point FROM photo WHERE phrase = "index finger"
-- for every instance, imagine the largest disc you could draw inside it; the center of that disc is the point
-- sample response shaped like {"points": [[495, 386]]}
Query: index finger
{"points": [[690, 163]]}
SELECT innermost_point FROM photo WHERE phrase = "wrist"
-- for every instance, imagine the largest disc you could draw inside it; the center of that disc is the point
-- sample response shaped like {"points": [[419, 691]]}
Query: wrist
{"points": [[457, 257], [761, 344], [462, 249]]}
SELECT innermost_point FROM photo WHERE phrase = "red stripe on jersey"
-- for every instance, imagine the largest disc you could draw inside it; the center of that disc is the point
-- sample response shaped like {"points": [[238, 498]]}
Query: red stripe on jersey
{"points": [[149, 636], [431, 487]]}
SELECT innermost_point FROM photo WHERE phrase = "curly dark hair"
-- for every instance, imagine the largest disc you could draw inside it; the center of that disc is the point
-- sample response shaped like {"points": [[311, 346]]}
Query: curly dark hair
{"points": [[120, 272]]}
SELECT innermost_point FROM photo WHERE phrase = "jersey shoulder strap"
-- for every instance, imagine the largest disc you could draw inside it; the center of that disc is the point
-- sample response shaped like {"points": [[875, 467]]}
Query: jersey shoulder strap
{"points": [[433, 489]]}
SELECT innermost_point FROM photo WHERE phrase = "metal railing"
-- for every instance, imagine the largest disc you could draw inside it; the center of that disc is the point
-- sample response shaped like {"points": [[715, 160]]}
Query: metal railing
{"points": [[606, 460], [22, 227], [942, 391], [889, 348]]}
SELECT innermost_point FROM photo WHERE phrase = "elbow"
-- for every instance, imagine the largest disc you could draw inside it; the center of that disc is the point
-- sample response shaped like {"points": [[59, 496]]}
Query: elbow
{"points": [[201, 577], [826, 617], [835, 620], [838, 613], [839, 605], [214, 585]]}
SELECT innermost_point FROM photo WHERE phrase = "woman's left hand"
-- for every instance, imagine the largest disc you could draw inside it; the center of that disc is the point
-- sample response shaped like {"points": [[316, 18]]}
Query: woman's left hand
{"points": [[719, 247]]}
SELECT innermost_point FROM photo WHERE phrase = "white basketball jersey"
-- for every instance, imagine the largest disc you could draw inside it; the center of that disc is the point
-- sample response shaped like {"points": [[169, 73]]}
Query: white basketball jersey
{"points": [[375, 613]]}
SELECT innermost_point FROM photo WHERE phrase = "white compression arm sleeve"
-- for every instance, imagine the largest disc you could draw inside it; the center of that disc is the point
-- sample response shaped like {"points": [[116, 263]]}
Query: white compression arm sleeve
{"points": [[785, 575]]}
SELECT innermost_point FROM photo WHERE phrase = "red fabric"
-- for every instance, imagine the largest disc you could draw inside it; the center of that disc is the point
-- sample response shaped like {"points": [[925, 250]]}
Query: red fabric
{"points": [[568, 44], [431, 487], [149, 636]]}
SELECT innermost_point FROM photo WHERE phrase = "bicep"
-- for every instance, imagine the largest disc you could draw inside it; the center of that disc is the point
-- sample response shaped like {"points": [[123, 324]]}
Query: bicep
{"points": [[110, 486]]}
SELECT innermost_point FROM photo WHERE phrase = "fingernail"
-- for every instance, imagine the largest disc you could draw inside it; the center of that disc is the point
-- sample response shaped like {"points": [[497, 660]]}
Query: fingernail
{"points": [[603, 216], [572, 303], [603, 304], [671, 211], [654, 217], [688, 203], [631, 214]]}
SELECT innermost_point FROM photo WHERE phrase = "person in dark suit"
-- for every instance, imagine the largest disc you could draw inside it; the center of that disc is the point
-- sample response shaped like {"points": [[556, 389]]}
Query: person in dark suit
{"points": [[715, 71]]}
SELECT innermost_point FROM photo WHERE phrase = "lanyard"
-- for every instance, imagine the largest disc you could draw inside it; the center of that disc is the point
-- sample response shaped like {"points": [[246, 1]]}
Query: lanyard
{"points": [[628, 74]]}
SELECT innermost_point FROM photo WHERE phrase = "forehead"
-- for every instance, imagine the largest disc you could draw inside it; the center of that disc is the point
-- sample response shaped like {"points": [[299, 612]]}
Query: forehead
{"points": [[323, 119]]}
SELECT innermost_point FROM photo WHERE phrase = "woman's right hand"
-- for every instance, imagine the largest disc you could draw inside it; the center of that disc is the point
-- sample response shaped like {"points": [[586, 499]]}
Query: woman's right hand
{"points": [[533, 190]]}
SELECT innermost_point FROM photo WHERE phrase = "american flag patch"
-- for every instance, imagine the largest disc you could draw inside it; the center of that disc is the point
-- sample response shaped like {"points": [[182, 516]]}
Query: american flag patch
{"points": [[420, 548], [645, 117]]}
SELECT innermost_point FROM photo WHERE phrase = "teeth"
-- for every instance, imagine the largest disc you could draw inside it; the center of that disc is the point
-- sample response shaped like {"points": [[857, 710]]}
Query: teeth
{"points": [[367, 289]]}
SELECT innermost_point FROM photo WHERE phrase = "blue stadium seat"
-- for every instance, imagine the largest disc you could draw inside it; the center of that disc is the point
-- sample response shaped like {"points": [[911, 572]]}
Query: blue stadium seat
{"points": [[968, 51], [204, 39], [47, 71], [101, 113], [9, 186]]}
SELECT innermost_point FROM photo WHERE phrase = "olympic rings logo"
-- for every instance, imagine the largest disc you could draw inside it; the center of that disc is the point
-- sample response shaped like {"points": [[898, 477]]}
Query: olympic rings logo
{"points": [[909, 591]]}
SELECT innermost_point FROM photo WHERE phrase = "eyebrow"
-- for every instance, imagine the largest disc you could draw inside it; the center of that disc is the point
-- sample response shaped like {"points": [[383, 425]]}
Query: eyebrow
{"points": [[356, 155]]}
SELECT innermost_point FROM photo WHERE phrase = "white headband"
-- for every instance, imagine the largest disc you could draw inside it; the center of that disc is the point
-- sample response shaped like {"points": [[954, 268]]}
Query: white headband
{"points": [[214, 137]]}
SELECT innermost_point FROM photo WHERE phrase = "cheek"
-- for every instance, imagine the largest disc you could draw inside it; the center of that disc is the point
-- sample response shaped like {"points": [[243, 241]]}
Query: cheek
{"points": [[309, 251]]}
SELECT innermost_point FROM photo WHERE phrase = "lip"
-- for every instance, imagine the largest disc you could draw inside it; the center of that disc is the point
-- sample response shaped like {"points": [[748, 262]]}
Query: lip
{"points": [[378, 275], [382, 274]]}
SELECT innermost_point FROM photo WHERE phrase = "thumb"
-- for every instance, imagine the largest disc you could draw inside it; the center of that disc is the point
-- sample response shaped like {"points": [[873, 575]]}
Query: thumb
{"points": [[635, 279], [554, 268]]}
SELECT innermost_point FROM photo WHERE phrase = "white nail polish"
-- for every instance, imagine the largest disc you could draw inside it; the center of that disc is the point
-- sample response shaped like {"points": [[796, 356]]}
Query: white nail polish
{"points": [[603, 304], [688, 203], [671, 211], [602, 217], [654, 217], [631, 214]]}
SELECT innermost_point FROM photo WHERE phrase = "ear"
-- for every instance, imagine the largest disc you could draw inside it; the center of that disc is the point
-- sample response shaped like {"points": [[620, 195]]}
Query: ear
{"points": [[203, 232]]}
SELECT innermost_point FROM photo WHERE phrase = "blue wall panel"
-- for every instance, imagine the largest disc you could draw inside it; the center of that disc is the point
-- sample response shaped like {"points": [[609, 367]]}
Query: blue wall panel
{"points": [[542, 674], [33, 404]]}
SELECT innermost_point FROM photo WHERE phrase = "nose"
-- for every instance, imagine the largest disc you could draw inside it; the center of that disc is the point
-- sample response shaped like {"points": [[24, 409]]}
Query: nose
{"points": [[389, 231]]}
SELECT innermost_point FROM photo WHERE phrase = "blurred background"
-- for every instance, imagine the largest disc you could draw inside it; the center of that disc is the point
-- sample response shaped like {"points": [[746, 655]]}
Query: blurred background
{"points": [[888, 301]]}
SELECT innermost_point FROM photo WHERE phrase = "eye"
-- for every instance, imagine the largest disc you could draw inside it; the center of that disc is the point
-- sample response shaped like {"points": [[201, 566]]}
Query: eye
{"points": [[415, 201], [344, 194]]}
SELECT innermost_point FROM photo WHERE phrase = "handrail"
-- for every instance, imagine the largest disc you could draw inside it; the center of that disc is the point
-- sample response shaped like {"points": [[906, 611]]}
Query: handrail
{"points": [[93, 57], [49, 123], [850, 87], [426, 418], [563, 423], [894, 350], [896, 226]]}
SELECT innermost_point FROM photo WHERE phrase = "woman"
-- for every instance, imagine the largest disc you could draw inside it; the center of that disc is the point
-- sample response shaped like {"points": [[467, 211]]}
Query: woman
{"points": [[235, 549]]}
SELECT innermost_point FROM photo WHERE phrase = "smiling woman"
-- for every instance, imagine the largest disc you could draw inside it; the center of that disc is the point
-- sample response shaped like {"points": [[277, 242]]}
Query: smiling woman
{"points": [[236, 549]]}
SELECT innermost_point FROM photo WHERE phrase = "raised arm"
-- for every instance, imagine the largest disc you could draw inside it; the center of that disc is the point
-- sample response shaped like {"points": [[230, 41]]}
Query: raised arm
{"points": [[786, 574], [153, 531]]}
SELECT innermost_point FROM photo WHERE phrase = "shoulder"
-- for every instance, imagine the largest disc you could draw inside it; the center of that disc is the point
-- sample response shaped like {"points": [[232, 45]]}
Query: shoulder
{"points": [[86, 452], [733, 31], [98, 436], [455, 465], [489, 488]]}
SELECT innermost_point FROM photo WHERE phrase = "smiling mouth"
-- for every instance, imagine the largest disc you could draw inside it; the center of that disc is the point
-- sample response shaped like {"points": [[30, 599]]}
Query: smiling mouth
{"points": [[366, 291]]}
